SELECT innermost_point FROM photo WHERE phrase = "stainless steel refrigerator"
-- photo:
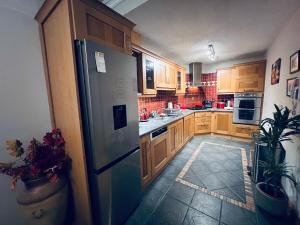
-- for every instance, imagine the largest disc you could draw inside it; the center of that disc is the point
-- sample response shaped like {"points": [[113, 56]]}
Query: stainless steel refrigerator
{"points": [[108, 98]]}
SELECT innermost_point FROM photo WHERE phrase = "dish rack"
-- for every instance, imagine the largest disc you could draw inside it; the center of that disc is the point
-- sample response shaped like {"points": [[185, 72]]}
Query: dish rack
{"points": [[173, 112]]}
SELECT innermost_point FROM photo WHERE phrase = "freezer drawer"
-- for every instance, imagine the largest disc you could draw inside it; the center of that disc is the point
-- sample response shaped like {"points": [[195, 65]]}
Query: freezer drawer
{"points": [[119, 191]]}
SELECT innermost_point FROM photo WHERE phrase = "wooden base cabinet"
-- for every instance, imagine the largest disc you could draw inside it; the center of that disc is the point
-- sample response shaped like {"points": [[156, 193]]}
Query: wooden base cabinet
{"points": [[243, 131], [188, 128], [221, 122], [159, 153], [146, 171], [175, 138], [202, 122]]}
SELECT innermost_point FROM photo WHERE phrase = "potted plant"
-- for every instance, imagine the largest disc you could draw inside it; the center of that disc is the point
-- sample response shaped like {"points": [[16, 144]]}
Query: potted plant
{"points": [[43, 168], [270, 195]]}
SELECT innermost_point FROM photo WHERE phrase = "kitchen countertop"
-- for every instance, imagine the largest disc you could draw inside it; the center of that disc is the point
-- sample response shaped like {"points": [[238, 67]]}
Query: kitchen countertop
{"points": [[155, 123]]}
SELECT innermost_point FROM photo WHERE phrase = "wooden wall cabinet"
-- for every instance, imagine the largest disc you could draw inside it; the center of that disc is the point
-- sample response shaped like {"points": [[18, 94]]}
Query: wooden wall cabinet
{"points": [[243, 131], [175, 138], [226, 79], [188, 128], [171, 76], [148, 77], [165, 74], [146, 171], [221, 122], [180, 81], [250, 77], [159, 153], [61, 22], [202, 122]]}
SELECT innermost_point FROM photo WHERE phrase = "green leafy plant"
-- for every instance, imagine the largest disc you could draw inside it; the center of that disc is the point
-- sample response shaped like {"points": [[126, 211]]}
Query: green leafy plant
{"points": [[273, 133]]}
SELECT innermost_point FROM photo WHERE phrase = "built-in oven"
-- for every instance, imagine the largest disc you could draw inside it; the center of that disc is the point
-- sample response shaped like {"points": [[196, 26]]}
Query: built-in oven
{"points": [[247, 108]]}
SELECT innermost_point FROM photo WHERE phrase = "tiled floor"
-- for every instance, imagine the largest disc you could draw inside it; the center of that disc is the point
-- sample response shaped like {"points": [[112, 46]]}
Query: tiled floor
{"points": [[216, 169]]}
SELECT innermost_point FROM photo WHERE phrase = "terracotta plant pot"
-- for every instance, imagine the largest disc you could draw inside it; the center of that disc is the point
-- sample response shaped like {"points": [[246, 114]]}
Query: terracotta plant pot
{"points": [[44, 203], [276, 206]]}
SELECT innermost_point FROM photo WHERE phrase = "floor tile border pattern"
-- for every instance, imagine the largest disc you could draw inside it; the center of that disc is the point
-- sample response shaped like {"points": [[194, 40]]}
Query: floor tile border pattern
{"points": [[247, 181]]}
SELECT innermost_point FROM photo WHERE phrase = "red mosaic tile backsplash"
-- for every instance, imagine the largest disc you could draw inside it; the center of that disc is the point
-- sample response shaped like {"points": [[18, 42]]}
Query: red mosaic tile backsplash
{"points": [[194, 96]]}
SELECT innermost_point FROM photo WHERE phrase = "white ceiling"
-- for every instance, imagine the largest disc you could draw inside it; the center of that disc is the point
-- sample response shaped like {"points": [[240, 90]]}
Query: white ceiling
{"points": [[182, 29]]}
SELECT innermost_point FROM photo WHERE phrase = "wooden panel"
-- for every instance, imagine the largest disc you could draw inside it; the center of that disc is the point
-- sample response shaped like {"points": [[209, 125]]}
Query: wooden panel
{"points": [[250, 85], [244, 131], [179, 135], [159, 153], [202, 114], [160, 74], [100, 25], [221, 122], [58, 41], [136, 38], [251, 70], [118, 37], [172, 140], [170, 76], [146, 173], [224, 80]]}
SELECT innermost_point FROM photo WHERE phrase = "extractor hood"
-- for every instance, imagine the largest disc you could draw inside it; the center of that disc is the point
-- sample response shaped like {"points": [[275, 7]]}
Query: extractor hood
{"points": [[195, 72]]}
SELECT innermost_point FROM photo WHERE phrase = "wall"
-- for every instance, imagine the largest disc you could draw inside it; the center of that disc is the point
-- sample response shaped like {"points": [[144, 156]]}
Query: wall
{"points": [[23, 95], [286, 43], [194, 96]]}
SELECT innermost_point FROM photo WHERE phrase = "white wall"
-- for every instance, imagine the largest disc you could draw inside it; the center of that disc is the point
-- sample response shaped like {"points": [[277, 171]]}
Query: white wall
{"points": [[212, 67], [24, 110], [286, 43]]}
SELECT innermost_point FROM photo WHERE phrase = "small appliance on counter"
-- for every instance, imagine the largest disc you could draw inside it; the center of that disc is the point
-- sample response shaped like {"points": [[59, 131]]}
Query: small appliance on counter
{"points": [[220, 105], [207, 104], [170, 111]]}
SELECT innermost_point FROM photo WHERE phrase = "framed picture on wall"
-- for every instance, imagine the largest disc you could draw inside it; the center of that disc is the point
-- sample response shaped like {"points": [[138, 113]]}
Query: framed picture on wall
{"points": [[294, 62], [290, 85], [275, 75]]}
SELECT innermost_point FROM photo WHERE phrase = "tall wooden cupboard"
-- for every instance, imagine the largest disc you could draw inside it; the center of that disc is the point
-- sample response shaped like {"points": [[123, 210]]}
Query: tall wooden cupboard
{"points": [[61, 22]]}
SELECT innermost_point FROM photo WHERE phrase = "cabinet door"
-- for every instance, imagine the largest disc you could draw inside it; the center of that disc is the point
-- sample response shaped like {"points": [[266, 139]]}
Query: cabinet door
{"points": [[225, 80], [170, 76], [180, 81], [192, 126], [250, 85], [179, 135], [243, 131], [145, 160], [172, 140], [221, 122], [251, 70], [186, 128], [93, 24], [160, 75], [159, 153], [202, 125], [149, 76]]}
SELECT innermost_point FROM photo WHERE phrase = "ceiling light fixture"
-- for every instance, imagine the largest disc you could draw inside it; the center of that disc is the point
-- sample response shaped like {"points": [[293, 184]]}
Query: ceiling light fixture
{"points": [[211, 53]]}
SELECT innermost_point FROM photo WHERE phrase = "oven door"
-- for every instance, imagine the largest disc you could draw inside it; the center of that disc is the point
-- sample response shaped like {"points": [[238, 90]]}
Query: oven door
{"points": [[246, 116], [247, 103]]}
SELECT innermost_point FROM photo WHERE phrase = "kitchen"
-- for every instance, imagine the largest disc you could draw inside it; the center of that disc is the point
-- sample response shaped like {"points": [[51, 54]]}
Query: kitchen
{"points": [[158, 117]]}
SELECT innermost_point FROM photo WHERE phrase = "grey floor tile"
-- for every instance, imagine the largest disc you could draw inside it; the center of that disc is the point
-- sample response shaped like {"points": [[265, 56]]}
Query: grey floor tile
{"points": [[228, 193], [195, 217], [178, 162], [162, 183], [230, 179], [169, 212], [240, 192], [234, 215], [171, 172], [216, 167], [181, 192], [207, 204], [193, 178], [212, 182], [147, 206]]}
